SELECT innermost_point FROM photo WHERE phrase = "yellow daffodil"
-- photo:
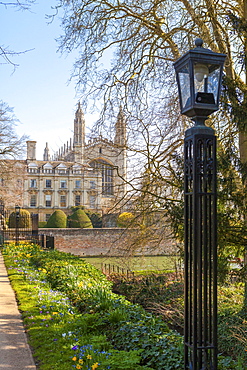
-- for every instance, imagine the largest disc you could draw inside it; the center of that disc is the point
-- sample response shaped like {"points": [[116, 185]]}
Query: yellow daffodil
{"points": [[94, 366], [89, 357]]}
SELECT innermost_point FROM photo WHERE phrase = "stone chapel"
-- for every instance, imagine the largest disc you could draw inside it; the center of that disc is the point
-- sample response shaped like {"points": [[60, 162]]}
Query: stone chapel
{"points": [[91, 174]]}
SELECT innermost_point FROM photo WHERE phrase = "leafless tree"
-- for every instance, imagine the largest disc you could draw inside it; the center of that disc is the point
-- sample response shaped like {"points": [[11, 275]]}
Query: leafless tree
{"points": [[6, 53], [11, 146], [126, 50], [12, 170]]}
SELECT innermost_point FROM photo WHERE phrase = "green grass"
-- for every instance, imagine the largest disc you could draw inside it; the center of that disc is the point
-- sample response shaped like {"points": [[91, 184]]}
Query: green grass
{"points": [[142, 263], [75, 321], [35, 319]]}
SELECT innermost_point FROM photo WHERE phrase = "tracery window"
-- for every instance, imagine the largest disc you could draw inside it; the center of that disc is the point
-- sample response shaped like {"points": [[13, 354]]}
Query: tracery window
{"points": [[107, 175]]}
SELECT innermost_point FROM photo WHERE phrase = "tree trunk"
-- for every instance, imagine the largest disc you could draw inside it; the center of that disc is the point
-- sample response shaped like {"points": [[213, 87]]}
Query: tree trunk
{"points": [[243, 152]]}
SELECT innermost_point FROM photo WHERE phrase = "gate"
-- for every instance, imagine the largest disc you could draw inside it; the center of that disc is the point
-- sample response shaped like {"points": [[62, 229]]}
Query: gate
{"points": [[18, 226]]}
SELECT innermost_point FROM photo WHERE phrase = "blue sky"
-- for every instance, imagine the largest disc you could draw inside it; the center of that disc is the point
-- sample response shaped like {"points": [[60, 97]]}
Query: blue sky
{"points": [[38, 90]]}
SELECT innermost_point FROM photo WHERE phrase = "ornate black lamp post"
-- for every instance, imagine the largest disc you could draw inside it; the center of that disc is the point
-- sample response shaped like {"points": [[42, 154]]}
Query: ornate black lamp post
{"points": [[17, 222], [199, 75]]}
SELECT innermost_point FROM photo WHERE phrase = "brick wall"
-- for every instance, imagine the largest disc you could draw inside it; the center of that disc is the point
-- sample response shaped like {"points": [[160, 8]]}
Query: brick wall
{"points": [[112, 242]]}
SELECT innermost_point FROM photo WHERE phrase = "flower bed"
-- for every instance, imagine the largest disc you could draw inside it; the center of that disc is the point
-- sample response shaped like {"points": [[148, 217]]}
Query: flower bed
{"points": [[75, 321]]}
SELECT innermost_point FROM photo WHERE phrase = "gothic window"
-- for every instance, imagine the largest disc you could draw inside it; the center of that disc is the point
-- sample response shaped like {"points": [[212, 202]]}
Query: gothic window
{"points": [[77, 200], [33, 201], [62, 201], [107, 175]]}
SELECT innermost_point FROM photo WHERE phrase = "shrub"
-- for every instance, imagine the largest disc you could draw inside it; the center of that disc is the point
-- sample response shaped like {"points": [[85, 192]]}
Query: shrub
{"points": [[95, 218], [57, 220], [42, 224], [24, 219], [79, 219], [75, 208], [125, 219]]}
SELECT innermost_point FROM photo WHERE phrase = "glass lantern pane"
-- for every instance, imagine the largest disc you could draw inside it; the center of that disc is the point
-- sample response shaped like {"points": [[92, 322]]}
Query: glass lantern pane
{"points": [[213, 81], [206, 82], [201, 73], [184, 82]]}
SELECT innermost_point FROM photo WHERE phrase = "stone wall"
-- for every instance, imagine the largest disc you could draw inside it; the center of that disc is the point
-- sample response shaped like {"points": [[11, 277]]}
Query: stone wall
{"points": [[112, 242]]}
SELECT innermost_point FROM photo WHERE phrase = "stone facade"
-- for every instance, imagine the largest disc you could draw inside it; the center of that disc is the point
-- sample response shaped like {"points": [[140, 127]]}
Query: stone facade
{"points": [[89, 174]]}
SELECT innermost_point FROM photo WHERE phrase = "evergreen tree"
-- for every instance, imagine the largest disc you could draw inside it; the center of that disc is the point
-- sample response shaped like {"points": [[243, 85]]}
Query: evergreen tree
{"points": [[79, 219], [24, 219], [57, 220], [95, 218]]}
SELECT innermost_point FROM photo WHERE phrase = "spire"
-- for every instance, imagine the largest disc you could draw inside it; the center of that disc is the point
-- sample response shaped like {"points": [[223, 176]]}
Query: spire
{"points": [[120, 128], [79, 135], [79, 126], [46, 156]]}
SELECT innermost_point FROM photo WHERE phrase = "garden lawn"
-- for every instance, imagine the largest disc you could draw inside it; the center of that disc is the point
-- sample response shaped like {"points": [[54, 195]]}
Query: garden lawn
{"points": [[74, 321], [136, 263]]}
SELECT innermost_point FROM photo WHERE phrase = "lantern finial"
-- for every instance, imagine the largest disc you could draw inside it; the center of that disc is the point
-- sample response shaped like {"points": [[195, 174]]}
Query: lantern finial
{"points": [[199, 42]]}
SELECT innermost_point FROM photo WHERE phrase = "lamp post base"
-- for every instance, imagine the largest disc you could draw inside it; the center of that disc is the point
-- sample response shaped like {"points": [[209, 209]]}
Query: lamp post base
{"points": [[200, 332]]}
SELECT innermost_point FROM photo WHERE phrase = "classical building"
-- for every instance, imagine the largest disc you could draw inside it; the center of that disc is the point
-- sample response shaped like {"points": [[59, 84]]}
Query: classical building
{"points": [[89, 174]]}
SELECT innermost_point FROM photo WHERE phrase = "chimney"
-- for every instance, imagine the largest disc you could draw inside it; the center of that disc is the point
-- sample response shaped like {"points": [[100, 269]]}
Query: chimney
{"points": [[31, 150]]}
